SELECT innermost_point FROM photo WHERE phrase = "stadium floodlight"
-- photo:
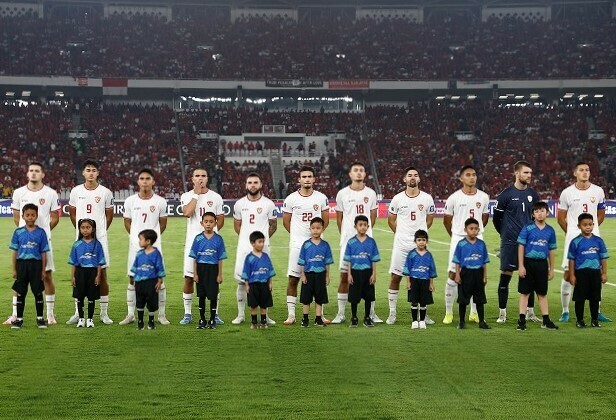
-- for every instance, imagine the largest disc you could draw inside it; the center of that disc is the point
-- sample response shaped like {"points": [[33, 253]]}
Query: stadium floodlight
{"points": [[340, 56], [582, 97], [440, 98], [59, 94], [471, 97], [534, 96], [568, 95], [25, 94], [503, 97], [216, 57], [599, 96], [519, 97], [10, 94]]}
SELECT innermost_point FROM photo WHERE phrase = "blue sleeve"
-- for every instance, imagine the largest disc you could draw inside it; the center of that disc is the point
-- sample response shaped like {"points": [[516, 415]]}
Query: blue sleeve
{"points": [[100, 253], [329, 258], [457, 254], [603, 254], [193, 250], [347, 253], [44, 245], [134, 267], [432, 268], [160, 268], [222, 251], [485, 253], [375, 252], [571, 250], [246, 270], [14, 242], [72, 257], [302, 255], [523, 236], [407, 264], [552, 241]]}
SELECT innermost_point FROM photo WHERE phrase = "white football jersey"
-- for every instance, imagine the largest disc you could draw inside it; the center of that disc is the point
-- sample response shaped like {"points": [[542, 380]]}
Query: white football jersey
{"points": [[255, 216], [46, 199], [303, 209], [576, 202], [91, 204], [144, 214], [210, 201], [353, 203], [462, 206], [411, 214]]}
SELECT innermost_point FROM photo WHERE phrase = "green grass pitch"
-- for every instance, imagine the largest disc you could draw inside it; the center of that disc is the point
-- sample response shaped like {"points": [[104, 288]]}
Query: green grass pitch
{"points": [[289, 372]]}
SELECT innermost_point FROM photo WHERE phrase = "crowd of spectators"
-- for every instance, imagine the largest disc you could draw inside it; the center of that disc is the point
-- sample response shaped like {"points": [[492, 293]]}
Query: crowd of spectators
{"points": [[260, 48], [125, 138]]}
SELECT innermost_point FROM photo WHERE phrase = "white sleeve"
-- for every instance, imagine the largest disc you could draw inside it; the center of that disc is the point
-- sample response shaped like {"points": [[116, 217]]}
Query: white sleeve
{"points": [[393, 205], [72, 199], [339, 198], [127, 208], [163, 207], [109, 199], [16, 200], [273, 214], [486, 204], [449, 205], [237, 211], [287, 205], [375, 202], [55, 201], [431, 208], [219, 206], [562, 201]]}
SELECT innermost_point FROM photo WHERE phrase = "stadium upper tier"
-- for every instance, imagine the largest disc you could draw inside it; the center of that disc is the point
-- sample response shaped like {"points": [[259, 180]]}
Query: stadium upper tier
{"points": [[258, 49], [127, 138]]}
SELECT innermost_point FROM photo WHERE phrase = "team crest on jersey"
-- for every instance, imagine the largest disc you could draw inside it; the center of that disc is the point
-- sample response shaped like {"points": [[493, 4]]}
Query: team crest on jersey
{"points": [[259, 210], [366, 199], [420, 207], [316, 207], [41, 201], [530, 198], [478, 204], [210, 203], [592, 199], [97, 199], [152, 208]]}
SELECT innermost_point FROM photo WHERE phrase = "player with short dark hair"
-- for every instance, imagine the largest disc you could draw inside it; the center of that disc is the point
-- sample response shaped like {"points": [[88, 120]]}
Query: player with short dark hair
{"points": [[258, 273], [421, 272], [513, 211]]}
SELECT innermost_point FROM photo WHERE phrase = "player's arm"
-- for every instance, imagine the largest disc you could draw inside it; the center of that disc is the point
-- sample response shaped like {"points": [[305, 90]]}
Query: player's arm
{"points": [[600, 216], [72, 213], [97, 279], [497, 219], [108, 216], [604, 270], [286, 221], [16, 217], [43, 264], [373, 276], [571, 278], [195, 275], [373, 215], [189, 208], [73, 283], [447, 222], [237, 225], [327, 274], [14, 261], [521, 268], [485, 274], [561, 216], [485, 217], [325, 217], [127, 223], [551, 256], [429, 220], [219, 277], [162, 221], [220, 221], [273, 227], [54, 218], [339, 217], [392, 221]]}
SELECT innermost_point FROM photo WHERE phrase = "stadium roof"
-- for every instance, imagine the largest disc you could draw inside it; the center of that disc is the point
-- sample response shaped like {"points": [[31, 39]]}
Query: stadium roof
{"points": [[329, 3]]}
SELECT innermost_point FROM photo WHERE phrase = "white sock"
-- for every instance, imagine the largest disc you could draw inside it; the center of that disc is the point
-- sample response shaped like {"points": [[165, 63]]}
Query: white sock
{"points": [[104, 304], [50, 300], [343, 298], [131, 299], [473, 307], [530, 311], [503, 312], [565, 295], [392, 296], [162, 300], [217, 302], [76, 309], [15, 306], [241, 300], [291, 305], [188, 298], [372, 309], [451, 289]]}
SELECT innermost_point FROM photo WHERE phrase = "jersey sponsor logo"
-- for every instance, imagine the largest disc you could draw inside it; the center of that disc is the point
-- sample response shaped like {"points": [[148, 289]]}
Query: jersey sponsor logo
{"points": [[259, 210], [152, 208], [97, 199], [420, 207], [210, 203], [366, 199], [41, 201], [316, 207]]}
